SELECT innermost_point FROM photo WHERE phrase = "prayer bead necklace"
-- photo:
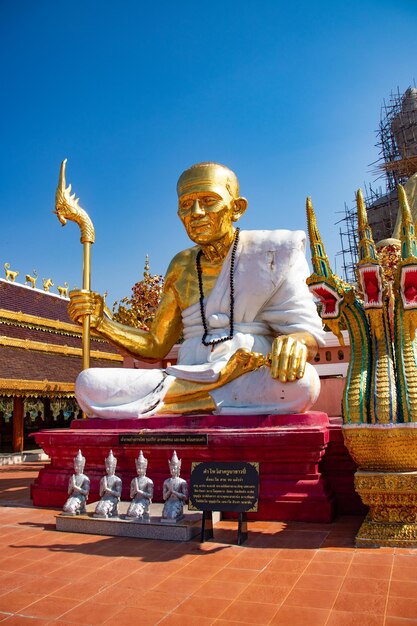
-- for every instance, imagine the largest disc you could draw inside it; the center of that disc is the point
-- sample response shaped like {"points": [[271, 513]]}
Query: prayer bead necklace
{"points": [[213, 342]]}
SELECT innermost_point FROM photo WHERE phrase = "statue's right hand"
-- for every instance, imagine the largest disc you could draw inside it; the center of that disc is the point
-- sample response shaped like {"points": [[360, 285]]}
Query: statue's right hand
{"points": [[84, 303]]}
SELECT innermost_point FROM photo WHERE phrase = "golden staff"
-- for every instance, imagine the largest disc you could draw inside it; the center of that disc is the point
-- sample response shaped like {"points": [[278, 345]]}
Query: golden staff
{"points": [[67, 208]]}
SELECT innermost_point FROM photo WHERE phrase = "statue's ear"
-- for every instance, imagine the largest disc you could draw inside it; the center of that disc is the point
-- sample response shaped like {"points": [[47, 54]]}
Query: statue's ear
{"points": [[239, 207]]}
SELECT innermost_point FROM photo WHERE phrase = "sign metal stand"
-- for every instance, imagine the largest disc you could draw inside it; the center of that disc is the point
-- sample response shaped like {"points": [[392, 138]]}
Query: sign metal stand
{"points": [[222, 486]]}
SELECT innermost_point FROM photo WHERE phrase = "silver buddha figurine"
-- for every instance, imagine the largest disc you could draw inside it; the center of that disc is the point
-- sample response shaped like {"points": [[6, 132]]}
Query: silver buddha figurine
{"points": [[78, 488], [175, 492], [110, 490], [141, 492]]}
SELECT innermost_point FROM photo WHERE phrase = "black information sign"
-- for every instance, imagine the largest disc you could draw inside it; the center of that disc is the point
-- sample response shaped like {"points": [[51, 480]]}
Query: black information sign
{"points": [[164, 439], [217, 486]]}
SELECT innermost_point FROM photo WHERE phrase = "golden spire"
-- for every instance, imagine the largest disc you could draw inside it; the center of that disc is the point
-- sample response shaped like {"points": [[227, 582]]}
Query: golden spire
{"points": [[366, 247], [319, 258], [407, 231], [146, 268]]}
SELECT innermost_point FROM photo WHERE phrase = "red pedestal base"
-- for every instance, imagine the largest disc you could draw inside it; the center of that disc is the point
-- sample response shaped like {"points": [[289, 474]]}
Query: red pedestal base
{"points": [[287, 447]]}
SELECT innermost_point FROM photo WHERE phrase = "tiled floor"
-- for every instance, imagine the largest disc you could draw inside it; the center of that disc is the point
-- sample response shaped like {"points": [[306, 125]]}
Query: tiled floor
{"points": [[286, 574]]}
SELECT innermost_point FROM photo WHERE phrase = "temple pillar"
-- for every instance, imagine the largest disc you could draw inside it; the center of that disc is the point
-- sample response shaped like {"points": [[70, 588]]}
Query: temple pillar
{"points": [[47, 412], [18, 435]]}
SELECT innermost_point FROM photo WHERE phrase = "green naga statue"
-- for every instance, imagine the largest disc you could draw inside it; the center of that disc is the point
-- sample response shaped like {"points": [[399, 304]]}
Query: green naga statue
{"points": [[340, 306], [405, 317], [379, 407]]}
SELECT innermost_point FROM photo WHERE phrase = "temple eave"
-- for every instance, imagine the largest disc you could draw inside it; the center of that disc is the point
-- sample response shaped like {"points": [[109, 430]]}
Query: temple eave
{"points": [[34, 388]]}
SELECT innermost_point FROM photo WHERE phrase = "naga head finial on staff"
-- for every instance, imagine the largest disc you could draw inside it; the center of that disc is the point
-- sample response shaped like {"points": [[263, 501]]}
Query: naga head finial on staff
{"points": [[67, 208]]}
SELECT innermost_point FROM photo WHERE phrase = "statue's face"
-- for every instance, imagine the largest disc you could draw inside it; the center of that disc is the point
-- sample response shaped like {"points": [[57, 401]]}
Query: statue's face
{"points": [[78, 467], [141, 470], [209, 202], [110, 469], [175, 471], [207, 214]]}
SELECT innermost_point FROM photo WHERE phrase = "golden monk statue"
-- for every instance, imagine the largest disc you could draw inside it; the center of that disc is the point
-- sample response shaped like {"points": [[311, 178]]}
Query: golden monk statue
{"points": [[239, 298]]}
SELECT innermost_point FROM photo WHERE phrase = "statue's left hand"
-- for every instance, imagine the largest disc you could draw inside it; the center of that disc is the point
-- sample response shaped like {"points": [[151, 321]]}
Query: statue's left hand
{"points": [[288, 358]]}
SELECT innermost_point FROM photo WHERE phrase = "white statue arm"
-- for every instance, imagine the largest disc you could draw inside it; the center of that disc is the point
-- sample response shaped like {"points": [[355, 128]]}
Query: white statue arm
{"points": [[149, 492], [146, 493], [71, 485], [116, 490], [167, 489], [134, 488], [103, 486], [85, 487], [183, 494]]}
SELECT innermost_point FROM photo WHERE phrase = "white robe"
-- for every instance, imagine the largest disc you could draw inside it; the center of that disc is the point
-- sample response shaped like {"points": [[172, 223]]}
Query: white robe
{"points": [[271, 298]]}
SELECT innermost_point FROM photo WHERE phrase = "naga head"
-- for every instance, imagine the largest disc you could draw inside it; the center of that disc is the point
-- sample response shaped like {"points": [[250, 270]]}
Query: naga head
{"points": [[67, 208], [369, 270], [328, 288], [407, 267], [65, 204]]}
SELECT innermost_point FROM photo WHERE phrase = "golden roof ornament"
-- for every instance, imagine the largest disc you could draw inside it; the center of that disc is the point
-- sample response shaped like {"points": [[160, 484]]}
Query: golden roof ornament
{"points": [[10, 274], [31, 279], [47, 284], [63, 291]]}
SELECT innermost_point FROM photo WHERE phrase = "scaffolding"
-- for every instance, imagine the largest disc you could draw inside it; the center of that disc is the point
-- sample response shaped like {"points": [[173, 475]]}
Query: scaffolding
{"points": [[397, 143], [348, 233], [382, 209], [397, 134]]}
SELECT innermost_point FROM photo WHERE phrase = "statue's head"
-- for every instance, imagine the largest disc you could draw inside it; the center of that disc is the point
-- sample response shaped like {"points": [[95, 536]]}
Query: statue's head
{"points": [[110, 463], [141, 464], [175, 465], [209, 202], [79, 463]]}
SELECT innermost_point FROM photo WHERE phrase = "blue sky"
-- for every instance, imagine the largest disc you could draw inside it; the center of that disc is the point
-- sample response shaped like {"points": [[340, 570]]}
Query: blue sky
{"points": [[286, 94]]}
